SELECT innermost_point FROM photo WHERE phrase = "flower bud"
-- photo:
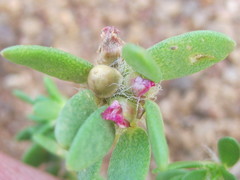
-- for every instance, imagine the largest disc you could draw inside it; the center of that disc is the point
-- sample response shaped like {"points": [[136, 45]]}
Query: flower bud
{"points": [[104, 80], [141, 86], [111, 47]]}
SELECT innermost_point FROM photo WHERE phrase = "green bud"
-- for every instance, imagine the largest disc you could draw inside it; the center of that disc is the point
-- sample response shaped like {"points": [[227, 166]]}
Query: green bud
{"points": [[104, 80]]}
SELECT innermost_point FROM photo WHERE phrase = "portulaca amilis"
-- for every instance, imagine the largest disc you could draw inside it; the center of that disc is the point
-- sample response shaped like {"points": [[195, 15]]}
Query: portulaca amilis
{"points": [[115, 113]]}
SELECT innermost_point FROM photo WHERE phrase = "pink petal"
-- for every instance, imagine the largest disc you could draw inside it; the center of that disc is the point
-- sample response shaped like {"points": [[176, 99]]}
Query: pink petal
{"points": [[114, 113], [141, 86], [123, 124]]}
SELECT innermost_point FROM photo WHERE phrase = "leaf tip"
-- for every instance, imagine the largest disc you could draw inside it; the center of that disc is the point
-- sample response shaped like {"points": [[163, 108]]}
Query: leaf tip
{"points": [[2, 52]]}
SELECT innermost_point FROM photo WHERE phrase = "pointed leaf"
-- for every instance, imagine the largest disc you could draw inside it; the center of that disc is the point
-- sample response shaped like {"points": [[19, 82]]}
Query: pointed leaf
{"points": [[50, 61], [92, 142], [190, 52], [169, 174], [73, 115], [46, 110], [229, 151], [40, 98], [191, 164], [196, 175], [155, 127], [53, 90], [35, 155], [141, 61], [26, 134], [24, 97], [131, 156], [49, 144], [91, 172]]}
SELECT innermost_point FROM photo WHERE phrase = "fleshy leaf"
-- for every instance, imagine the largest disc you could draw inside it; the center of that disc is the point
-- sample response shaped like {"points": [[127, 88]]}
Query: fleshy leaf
{"points": [[92, 142], [53, 90], [141, 61], [46, 110], [91, 172], [50, 61], [131, 156], [35, 155], [190, 52], [229, 151], [199, 174], [49, 144], [169, 174], [73, 115], [23, 96], [190, 164], [26, 133], [179, 177], [155, 127]]}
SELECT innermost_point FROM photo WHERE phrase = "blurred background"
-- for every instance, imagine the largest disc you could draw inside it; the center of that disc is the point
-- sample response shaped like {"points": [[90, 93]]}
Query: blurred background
{"points": [[197, 109]]}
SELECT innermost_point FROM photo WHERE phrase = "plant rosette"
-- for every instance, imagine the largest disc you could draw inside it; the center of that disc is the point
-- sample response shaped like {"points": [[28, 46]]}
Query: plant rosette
{"points": [[121, 90]]}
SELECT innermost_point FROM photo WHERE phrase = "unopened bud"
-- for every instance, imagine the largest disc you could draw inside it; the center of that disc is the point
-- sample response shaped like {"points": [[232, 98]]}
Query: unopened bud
{"points": [[111, 46], [104, 80], [141, 86]]}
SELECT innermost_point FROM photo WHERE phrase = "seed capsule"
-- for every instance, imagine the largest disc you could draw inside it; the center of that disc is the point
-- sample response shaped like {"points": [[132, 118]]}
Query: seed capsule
{"points": [[104, 80]]}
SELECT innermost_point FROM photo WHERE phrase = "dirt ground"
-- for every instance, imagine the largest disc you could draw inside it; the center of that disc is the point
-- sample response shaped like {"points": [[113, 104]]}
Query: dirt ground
{"points": [[197, 109]]}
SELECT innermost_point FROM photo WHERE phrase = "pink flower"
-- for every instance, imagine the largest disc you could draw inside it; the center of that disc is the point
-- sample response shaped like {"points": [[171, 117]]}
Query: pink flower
{"points": [[114, 113], [141, 86]]}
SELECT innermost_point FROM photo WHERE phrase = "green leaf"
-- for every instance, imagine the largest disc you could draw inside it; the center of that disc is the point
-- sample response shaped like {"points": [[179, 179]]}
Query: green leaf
{"points": [[91, 172], [53, 90], [46, 110], [227, 175], [131, 156], [199, 174], [92, 142], [49, 144], [73, 115], [45, 128], [50, 61], [35, 155], [24, 97], [155, 127], [229, 151], [141, 61], [190, 52], [99, 178], [169, 174], [191, 164], [25, 134], [179, 177]]}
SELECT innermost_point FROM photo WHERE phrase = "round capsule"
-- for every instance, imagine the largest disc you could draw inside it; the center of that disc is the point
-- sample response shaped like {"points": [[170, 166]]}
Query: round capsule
{"points": [[104, 80]]}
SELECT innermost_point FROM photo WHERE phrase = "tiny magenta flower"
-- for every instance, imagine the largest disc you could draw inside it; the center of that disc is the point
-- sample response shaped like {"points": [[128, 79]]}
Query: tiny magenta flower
{"points": [[114, 113], [141, 86]]}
